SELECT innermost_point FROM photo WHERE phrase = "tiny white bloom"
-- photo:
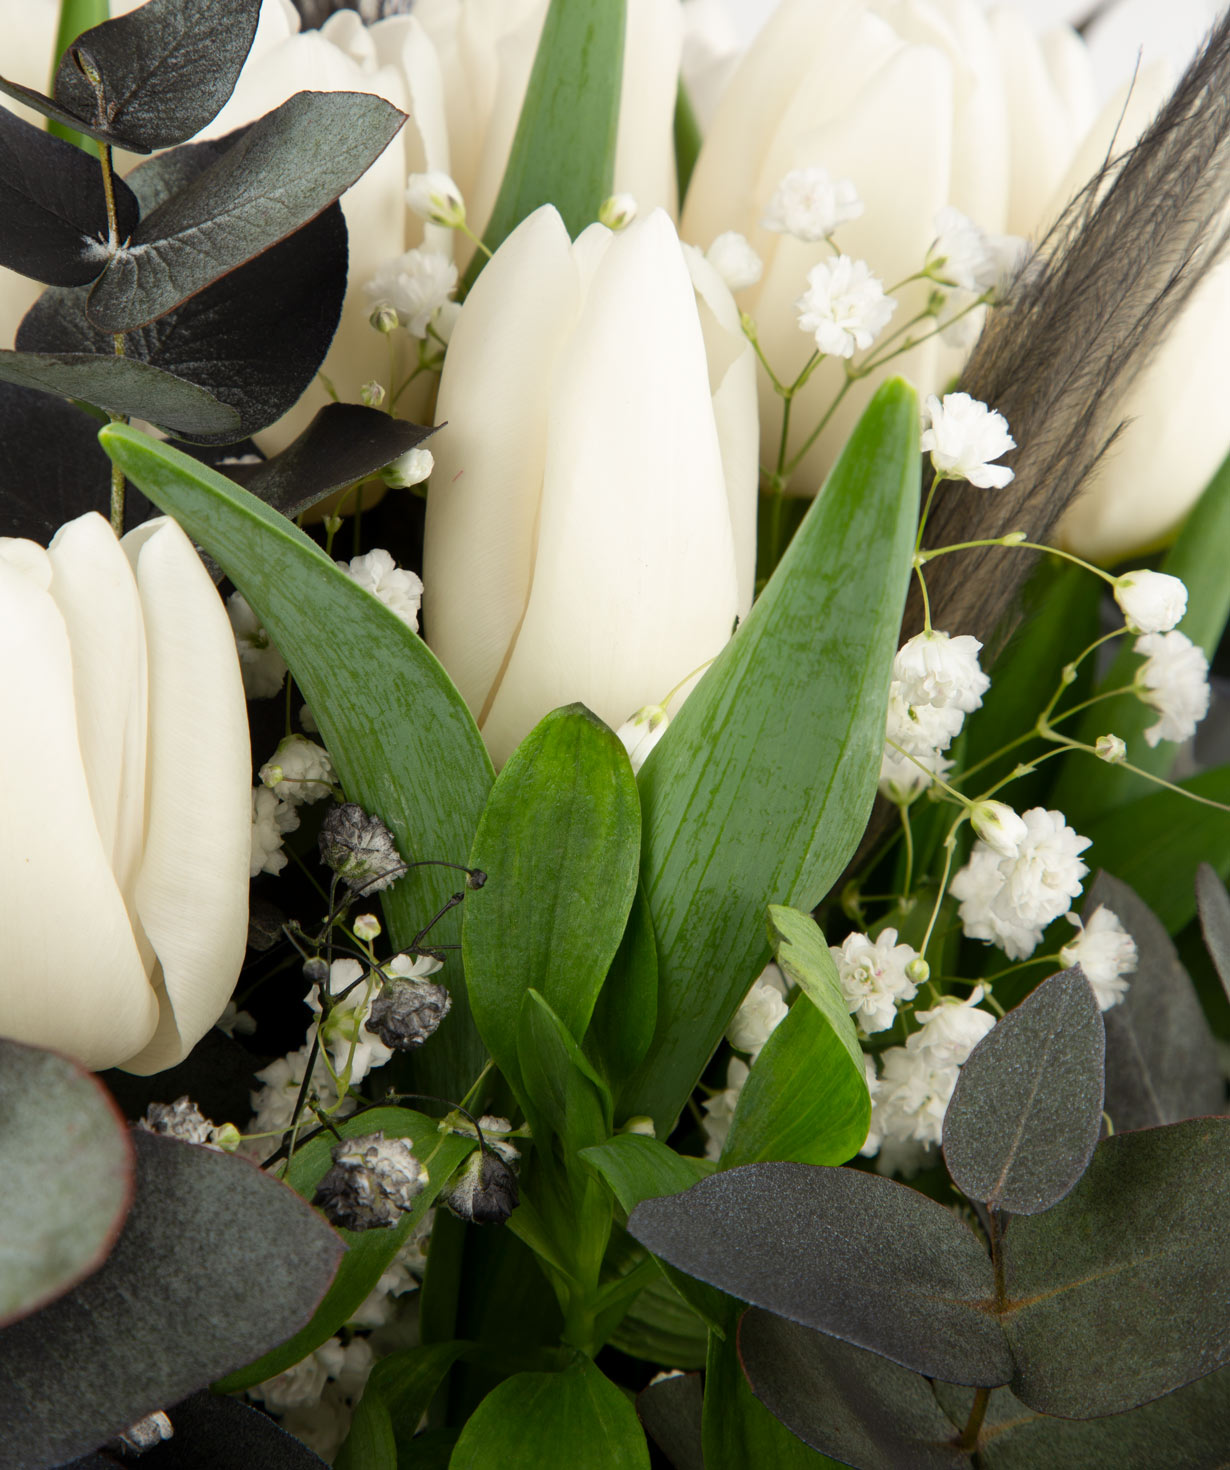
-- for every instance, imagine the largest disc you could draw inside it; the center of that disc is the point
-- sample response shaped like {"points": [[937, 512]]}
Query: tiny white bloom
{"points": [[844, 306], [262, 666], [1002, 829], [1111, 749], [367, 927], [903, 778], [961, 255], [272, 818], [873, 977], [617, 212], [809, 204], [641, 732], [411, 468], [274, 1103], [951, 1029], [719, 1109], [299, 771], [235, 1022], [762, 1011], [434, 196], [415, 285], [921, 729], [405, 967], [735, 260], [1106, 953], [1151, 602], [1174, 680], [963, 436], [400, 591], [933, 668], [346, 1025]]}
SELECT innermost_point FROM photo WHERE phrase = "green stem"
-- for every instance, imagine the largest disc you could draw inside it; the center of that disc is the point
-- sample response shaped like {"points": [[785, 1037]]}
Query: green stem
{"points": [[117, 341]]}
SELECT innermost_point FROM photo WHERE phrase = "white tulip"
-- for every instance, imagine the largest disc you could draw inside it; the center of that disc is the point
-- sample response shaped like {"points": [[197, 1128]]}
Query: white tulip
{"points": [[591, 520], [125, 767], [920, 106]]}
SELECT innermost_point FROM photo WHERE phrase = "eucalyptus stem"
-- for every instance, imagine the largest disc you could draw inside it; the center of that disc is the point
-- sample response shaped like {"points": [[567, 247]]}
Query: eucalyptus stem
{"points": [[117, 341]]}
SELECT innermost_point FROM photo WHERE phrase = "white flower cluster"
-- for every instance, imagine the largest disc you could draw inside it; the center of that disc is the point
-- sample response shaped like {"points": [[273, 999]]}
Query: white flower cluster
{"points": [[874, 977], [911, 1094], [315, 1399], [1011, 891], [298, 772], [1173, 680], [844, 306], [962, 437], [936, 682], [1106, 953], [763, 1010], [273, 1103], [962, 255], [809, 204], [415, 285], [262, 666], [344, 1034], [719, 1109], [379, 574]]}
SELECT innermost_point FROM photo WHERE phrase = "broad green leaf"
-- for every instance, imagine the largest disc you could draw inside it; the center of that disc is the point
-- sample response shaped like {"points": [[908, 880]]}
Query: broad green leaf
{"points": [[1089, 788], [621, 1028], [216, 1262], [407, 1382], [1161, 1059], [563, 152], [282, 172], [848, 1253], [1214, 904], [370, 1444], [64, 1148], [1116, 1296], [403, 743], [800, 950], [561, 1086], [805, 1098], [369, 1251], [687, 141], [1027, 1110], [577, 1419], [760, 789], [1155, 844], [559, 841], [660, 1327]]}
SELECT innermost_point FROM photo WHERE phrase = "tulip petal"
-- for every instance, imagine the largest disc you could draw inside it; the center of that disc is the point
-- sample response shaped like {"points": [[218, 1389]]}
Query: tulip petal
{"points": [[644, 157], [634, 580], [192, 889], [71, 977], [478, 552]]}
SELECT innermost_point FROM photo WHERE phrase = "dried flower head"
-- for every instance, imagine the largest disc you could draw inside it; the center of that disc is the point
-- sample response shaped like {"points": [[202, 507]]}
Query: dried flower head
{"points": [[181, 1119], [373, 1182], [359, 848], [407, 1011], [484, 1190]]}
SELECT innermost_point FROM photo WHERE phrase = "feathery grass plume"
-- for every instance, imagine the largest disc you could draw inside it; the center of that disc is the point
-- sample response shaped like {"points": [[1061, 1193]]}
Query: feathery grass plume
{"points": [[1082, 319]]}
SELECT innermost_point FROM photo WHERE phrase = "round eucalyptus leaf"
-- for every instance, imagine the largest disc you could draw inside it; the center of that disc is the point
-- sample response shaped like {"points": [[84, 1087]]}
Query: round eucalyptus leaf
{"points": [[67, 1166]]}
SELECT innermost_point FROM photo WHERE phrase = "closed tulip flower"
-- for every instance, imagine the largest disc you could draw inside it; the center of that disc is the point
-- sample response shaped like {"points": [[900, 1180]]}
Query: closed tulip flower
{"points": [[591, 518], [125, 769]]}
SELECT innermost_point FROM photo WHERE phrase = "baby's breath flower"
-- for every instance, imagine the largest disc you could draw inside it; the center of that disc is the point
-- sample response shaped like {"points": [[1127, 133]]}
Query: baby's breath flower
{"points": [[411, 468], [961, 254], [922, 728], [1151, 602], [272, 818], [762, 1011], [1106, 953], [936, 669], [372, 1184], [809, 204], [344, 1032], [1002, 829], [1111, 749], [719, 1109], [1174, 680], [844, 306], [299, 771], [904, 778], [399, 590], [617, 212], [435, 197], [262, 666], [735, 260], [359, 848], [415, 285], [873, 977], [963, 436]]}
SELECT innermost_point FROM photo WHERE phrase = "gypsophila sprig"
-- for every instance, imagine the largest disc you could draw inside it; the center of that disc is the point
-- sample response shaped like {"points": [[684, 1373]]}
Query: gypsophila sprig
{"points": [[408, 470], [416, 285], [809, 204], [935, 669], [873, 977], [299, 771], [762, 1010], [963, 436], [272, 819], [961, 254], [353, 1047], [844, 306], [374, 1181], [262, 666], [400, 591], [1106, 953], [1173, 680], [1151, 602], [359, 848], [735, 260], [1111, 749], [409, 1006]]}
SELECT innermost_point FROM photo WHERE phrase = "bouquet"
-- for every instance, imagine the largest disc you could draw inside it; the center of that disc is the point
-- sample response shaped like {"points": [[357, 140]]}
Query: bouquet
{"points": [[747, 981]]}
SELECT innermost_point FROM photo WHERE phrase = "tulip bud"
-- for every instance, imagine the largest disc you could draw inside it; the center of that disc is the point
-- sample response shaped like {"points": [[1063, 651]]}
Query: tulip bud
{"points": [[359, 848], [373, 1182]]}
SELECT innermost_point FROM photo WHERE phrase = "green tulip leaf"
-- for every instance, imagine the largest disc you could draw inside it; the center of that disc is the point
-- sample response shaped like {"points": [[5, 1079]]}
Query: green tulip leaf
{"points": [[563, 152], [1116, 1295], [371, 1443], [65, 1151], [403, 743], [626, 1011], [561, 1088], [576, 1418], [761, 787], [368, 1251], [559, 841], [407, 1382]]}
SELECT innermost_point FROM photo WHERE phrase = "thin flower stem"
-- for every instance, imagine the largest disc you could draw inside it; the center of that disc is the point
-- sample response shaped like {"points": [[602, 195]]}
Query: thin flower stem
{"points": [[1066, 744], [118, 486], [926, 601], [1025, 546], [920, 556], [793, 464], [908, 835], [749, 331], [950, 843], [473, 238], [936, 780]]}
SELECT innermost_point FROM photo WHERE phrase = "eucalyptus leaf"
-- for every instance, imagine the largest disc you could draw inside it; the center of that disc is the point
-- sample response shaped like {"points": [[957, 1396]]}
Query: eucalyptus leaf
{"points": [[216, 1263], [254, 339], [125, 386], [53, 210], [75, 16], [576, 1418], [849, 1253], [370, 1443], [1161, 1059], [852, 1405], [166, 69], [1213, 903], [760, 789], [1026, 1112], [368, 1252], [283, 171], [1116, 1295], [65, 1152], [68, 122], [670, 1410], [563, 152], [402, 740], [805, 1098], [559, 841], [51, 468]]}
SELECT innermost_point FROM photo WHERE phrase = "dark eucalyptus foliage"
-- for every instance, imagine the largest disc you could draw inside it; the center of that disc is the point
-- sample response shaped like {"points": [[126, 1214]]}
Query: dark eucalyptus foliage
{"points": [[1092, 1285]]}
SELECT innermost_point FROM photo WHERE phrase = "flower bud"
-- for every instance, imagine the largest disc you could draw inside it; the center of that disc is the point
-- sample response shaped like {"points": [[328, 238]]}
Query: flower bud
{"points": [[411, 468], [359, 848], [617, 212], [1111, 749], [372, 393], [484, 1190], [1151, 602], [406, 1012], [385, 319], [227, 1138], [642, 731], [435, 197], [316, 970], [1002, 829], [475, 878], [918, 970], [367, 927], [373, 1182]]}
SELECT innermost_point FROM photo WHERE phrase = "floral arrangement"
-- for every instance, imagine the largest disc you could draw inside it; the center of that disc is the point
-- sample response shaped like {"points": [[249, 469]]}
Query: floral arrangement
{"points": [[748, 981]]}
